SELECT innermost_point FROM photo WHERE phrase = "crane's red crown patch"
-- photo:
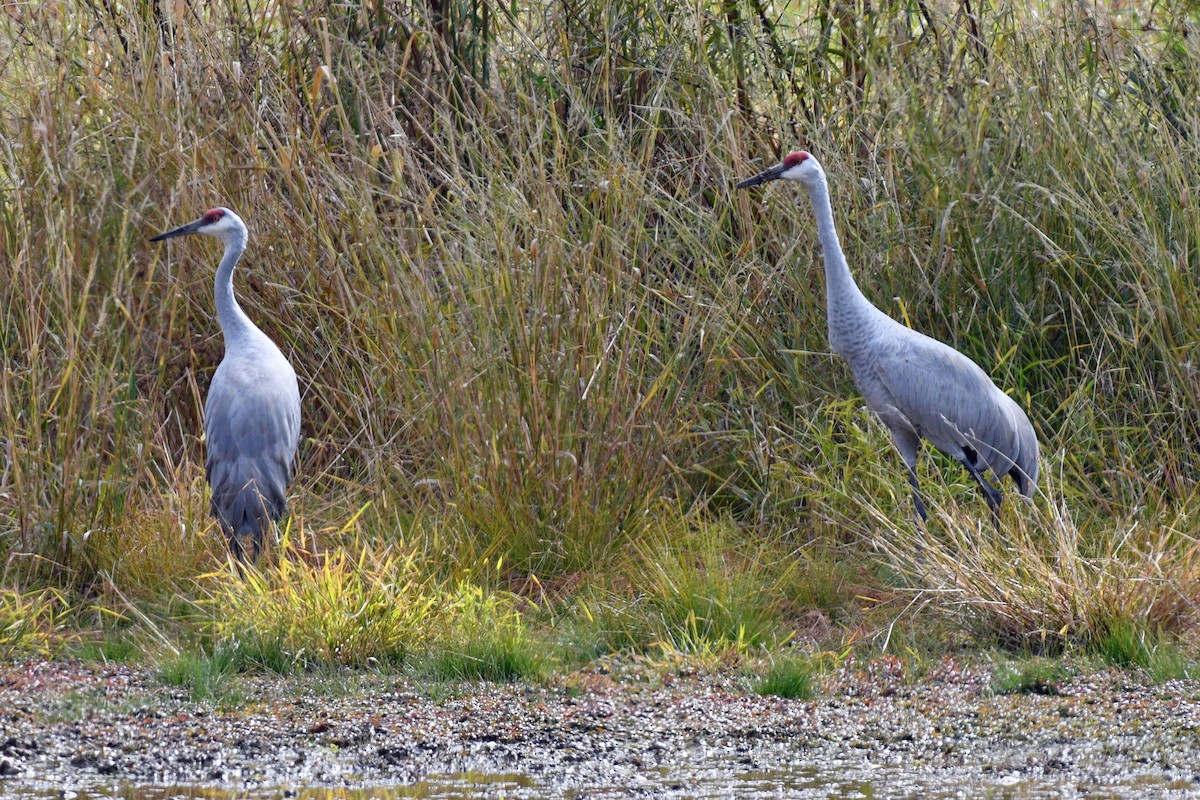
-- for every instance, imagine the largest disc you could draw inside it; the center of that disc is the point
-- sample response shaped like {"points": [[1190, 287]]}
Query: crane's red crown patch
{"points": [[794, 158], [212, 216]]}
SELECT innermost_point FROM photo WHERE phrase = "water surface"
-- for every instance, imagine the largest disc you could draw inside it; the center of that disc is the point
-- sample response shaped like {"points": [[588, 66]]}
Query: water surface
{"points": [[744, 777]]}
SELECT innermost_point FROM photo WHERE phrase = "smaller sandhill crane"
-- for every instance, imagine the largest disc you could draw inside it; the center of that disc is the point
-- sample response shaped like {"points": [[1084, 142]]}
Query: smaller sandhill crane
{"points": [[252, 412], [919, 387]]}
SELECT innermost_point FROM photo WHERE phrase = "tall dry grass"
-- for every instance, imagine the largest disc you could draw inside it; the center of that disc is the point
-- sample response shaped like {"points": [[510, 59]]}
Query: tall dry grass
{"points": [[531, 319]]}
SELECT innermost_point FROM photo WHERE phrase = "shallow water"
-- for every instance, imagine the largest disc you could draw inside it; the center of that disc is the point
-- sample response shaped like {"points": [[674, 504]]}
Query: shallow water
{"points": [[710, 778], [871, 735]]}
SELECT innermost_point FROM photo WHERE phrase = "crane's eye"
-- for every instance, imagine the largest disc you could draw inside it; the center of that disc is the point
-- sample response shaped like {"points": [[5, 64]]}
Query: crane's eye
{"points": [[213, 215]]}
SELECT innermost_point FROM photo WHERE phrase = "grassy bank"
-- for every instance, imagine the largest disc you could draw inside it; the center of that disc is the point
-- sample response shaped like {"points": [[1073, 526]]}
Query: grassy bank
{"points": [[565, 392]]}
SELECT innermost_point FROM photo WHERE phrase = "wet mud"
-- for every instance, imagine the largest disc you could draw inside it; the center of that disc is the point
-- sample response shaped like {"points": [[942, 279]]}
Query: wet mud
{"points": [[622, 731]]}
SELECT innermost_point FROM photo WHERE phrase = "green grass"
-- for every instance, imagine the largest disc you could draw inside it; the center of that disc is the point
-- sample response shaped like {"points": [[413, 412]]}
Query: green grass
{"points": [[710, 589], [483, 636], [107, 650], [543, 343], [791, 677], [1031, 675], [33, 622], [486, 657], [1130, 646], [368, 609], [207, 676]]}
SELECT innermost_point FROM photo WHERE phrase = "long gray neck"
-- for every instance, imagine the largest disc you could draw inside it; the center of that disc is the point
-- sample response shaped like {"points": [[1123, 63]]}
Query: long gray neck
{"points": [[235, 325], [849, 312]]}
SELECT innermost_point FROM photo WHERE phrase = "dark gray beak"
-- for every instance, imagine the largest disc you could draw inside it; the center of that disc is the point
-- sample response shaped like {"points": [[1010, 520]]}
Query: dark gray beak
{"points": [[765, 176], [182, 230]]}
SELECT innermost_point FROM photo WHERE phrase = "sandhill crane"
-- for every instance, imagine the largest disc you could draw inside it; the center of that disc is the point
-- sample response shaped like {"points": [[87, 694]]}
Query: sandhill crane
{"points": [[252, 412], [919, 387]]}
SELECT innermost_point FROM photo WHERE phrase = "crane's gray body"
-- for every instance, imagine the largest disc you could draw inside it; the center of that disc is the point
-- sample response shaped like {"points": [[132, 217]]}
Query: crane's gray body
{"points": [[919, 387], [251, 430], [252, 412], [923, 389]]}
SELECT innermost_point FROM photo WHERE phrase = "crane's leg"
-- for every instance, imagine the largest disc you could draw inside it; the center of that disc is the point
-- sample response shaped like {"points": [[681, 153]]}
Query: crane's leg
{"points": [[909, 445], [237, 548], [918, 503], [990, 493], [235, 545]]}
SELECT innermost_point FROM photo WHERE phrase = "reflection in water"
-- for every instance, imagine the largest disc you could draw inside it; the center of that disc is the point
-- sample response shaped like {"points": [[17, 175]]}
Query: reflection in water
{"points": [[466, 786], [715, 779]]}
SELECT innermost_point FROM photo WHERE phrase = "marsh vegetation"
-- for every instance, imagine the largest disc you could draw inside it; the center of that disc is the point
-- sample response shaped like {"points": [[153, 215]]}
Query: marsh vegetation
{"points": [[567, 394]]}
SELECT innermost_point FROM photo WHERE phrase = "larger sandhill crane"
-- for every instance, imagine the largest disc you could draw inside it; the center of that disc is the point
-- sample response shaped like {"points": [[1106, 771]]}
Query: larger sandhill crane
{"points": [[252, 413], [919, 387]]}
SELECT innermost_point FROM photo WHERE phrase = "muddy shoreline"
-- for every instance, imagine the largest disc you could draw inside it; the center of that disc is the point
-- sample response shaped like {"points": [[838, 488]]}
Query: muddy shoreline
{"points": [[625, 730]]}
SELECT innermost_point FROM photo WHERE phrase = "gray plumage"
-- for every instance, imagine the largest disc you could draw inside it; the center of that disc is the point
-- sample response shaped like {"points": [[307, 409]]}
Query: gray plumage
{"points": [[919, 387], [252, 412]]}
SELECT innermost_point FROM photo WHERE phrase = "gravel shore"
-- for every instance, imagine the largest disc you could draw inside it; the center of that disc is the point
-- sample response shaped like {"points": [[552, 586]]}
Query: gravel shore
{"points": [[625, 731]]}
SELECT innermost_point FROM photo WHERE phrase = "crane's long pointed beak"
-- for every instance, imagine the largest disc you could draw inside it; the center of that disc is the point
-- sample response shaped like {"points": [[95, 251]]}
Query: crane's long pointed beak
{"points": [[766, 175], [182, 230]]}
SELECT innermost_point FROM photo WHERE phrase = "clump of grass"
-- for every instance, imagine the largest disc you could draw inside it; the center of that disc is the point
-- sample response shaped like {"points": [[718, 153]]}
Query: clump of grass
{"points": [[109, 649], [709, 589], [1125, 644], [1169, 661], [1033, 675], [601, 622], [376, 608], [706, 587], [692, 587], [1039, 583], [484, 637], [205, 675], [336, 609], [790, 677], [31, 622]]}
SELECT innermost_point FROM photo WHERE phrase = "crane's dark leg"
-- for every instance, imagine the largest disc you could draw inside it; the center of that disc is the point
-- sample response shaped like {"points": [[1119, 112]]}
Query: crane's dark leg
{"points": [[246, 547], [235, 545], [990, 493], [237, 548], [918, 503], [909, 444]]}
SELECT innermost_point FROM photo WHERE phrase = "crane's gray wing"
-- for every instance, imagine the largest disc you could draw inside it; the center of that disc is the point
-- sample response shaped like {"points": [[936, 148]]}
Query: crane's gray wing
{"points": [[252, 428], [950, 401]]}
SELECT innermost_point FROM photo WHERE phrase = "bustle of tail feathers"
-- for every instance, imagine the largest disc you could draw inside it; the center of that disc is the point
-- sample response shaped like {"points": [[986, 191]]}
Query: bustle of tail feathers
{"points": [[248, 515], [1025, 470], [1025, 483]]}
